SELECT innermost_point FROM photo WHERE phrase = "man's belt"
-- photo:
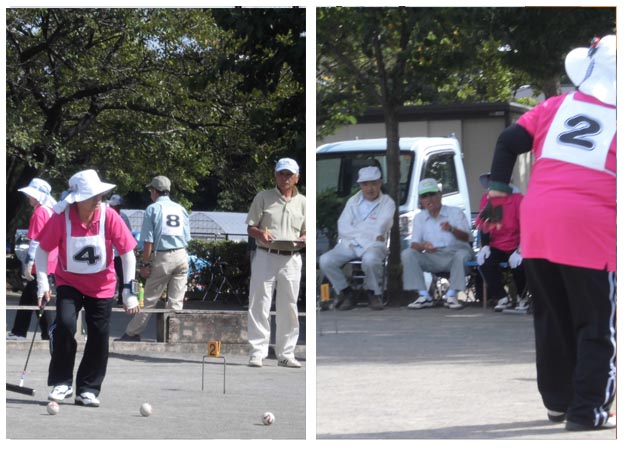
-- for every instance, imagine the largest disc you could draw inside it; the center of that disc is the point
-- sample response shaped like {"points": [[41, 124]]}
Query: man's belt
{"points": [[281, 252]]}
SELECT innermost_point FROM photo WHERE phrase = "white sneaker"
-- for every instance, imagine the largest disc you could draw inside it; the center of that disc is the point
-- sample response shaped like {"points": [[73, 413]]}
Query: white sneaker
{"points": [[255, 361], [453, 303], [60, 393], [289, 362], [522, 304], [87, 399], [502, 304], [421, 302], [15, 337]]}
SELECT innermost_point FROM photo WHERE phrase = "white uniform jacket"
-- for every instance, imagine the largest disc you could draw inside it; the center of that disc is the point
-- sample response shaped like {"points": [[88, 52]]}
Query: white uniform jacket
{"points": [[357, 229]]}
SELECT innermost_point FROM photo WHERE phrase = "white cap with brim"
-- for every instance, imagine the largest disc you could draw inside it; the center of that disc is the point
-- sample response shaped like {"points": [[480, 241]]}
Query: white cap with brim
{"points": [[594, 70], [287, 164], [83, 185], [428, 186], [115, 200], [40, 190], [368, 174]]}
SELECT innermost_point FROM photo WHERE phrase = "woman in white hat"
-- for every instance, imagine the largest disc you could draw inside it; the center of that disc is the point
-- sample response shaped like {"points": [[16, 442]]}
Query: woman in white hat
{"points": [[84, 231], [40, 199], [569, 237]]}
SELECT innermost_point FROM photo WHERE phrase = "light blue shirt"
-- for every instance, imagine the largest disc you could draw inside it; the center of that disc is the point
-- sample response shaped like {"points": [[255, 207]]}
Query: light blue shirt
{"points": [[165, 225], [428, 229]]}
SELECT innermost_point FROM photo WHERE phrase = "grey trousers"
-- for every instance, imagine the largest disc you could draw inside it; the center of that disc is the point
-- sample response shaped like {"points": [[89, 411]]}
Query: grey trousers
{"points": [[449, 260], [372, 259], [169, 271]]}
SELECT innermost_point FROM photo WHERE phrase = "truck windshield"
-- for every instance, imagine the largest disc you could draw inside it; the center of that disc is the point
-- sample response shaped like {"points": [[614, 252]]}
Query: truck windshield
{"points": [[339, 172]]}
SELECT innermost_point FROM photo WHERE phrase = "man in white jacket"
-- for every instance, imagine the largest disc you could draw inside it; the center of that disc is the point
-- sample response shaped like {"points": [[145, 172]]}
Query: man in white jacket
{"points": [[363, 228]]}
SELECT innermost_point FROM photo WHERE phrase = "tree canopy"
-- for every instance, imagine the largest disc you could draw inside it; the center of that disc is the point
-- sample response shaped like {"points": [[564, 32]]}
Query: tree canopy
{"points": [[210, 98]]}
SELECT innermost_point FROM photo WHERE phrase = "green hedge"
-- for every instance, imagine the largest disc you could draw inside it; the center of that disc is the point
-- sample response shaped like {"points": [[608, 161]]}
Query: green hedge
{"points": [[235, 260]]}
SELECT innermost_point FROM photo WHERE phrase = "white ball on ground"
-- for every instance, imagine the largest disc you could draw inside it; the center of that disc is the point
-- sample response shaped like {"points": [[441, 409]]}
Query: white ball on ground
{"points": [[53, 408], [145, 409], [268, 418]]}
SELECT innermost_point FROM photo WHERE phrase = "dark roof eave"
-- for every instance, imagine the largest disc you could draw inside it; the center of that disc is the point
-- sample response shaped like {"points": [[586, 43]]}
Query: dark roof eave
{"points": [[450, 111]]}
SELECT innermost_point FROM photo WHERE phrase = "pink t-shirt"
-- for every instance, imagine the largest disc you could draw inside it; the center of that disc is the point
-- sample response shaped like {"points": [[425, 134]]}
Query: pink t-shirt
{"points": [[569, 213], [505, 235], [54, 235], [38, 220]]}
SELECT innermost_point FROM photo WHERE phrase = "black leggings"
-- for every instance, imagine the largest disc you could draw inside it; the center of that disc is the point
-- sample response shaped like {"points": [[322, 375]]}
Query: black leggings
{"points": [[575, 338], [93, 365]]}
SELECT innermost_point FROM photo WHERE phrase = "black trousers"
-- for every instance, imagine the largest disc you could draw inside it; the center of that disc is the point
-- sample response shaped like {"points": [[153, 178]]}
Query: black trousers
{"points": [[93, 365], [575, 338], [493, 274], [21, 324]]}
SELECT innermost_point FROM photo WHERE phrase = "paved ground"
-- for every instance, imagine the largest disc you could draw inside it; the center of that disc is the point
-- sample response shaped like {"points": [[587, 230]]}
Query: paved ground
{"points": [[172, 384], [170, 379], [430, 374]]}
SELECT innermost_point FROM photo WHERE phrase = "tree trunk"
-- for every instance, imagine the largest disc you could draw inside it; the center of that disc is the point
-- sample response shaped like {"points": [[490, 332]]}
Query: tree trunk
{"points": [[394, 268]]}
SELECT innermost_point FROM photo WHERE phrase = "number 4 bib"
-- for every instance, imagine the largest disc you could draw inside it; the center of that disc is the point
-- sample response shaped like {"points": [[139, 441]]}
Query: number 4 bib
{"points": [[581, 136], [86, 254]]}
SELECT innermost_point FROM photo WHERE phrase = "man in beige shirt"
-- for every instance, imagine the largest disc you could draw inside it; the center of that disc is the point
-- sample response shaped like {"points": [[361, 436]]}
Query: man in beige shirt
{"points": [[277, 221]]}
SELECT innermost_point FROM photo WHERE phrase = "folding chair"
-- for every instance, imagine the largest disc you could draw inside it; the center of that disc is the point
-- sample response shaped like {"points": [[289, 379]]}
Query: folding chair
{"points": [[439, 285], [356, 277], [357, 281]]}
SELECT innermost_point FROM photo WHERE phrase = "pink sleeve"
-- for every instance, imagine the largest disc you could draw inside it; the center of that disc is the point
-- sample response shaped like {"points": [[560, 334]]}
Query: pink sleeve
{"points": [[50, 236], [38, 220]]}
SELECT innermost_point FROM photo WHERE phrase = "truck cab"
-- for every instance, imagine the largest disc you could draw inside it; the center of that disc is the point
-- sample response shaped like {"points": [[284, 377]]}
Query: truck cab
{"points": [[439, 158]]}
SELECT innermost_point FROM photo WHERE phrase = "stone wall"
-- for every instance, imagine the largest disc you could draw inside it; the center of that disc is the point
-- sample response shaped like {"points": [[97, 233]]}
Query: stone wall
{"points": [[191, 326]]}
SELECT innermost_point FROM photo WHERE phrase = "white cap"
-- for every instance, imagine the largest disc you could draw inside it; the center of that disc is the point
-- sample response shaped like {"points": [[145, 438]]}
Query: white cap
{"points": [[40, 190], [594, 70], [287, 164], [84, 185], [369, 173], [116, 200]]}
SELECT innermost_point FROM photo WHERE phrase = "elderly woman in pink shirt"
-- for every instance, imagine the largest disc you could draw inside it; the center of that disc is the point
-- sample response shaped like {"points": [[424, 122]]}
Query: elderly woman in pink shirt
{"points": [[84, 230], [569, 236]]}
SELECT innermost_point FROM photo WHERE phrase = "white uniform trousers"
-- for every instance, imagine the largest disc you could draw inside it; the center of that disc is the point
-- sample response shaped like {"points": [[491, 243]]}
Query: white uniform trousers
{"points": [[169, 270], [449, 260], [372, 259], [269, 272]]}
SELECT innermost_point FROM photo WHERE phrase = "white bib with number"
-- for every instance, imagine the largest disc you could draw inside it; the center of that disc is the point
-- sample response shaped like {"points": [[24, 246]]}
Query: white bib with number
{"points": [[581, 136], [172, 221], [86, 254]]}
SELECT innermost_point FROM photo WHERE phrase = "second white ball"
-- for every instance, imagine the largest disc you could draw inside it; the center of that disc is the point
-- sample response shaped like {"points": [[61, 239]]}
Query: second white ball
{"points": [[145, 409], [268, 418], [53, 408]]}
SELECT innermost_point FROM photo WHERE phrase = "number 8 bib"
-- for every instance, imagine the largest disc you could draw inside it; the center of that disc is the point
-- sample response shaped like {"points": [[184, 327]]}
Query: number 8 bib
{"points": [[172, 221], [86, 254]]}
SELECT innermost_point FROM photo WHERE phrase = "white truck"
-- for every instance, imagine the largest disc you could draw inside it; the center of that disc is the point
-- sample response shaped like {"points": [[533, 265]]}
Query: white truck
{"points": [[338, 165]]}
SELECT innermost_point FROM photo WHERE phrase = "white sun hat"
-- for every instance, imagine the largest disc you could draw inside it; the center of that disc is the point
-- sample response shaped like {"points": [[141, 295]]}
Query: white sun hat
{"points": [[84, 185], [40, 190], [594, 70]]}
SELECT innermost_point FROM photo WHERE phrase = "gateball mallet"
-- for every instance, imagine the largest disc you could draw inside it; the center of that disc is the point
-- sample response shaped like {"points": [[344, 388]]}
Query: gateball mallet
{"points": [[39, 314]]}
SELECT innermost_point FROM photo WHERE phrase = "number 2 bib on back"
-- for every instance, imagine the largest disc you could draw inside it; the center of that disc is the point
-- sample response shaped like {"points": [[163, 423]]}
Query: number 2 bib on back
{"points": [[86, 254], [581, 136]]}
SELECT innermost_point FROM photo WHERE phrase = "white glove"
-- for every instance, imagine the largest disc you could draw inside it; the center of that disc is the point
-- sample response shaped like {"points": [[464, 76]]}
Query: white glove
{"points": [[27, 271], [43, 286], [483, 255], [515, 259], [130, 301]]}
